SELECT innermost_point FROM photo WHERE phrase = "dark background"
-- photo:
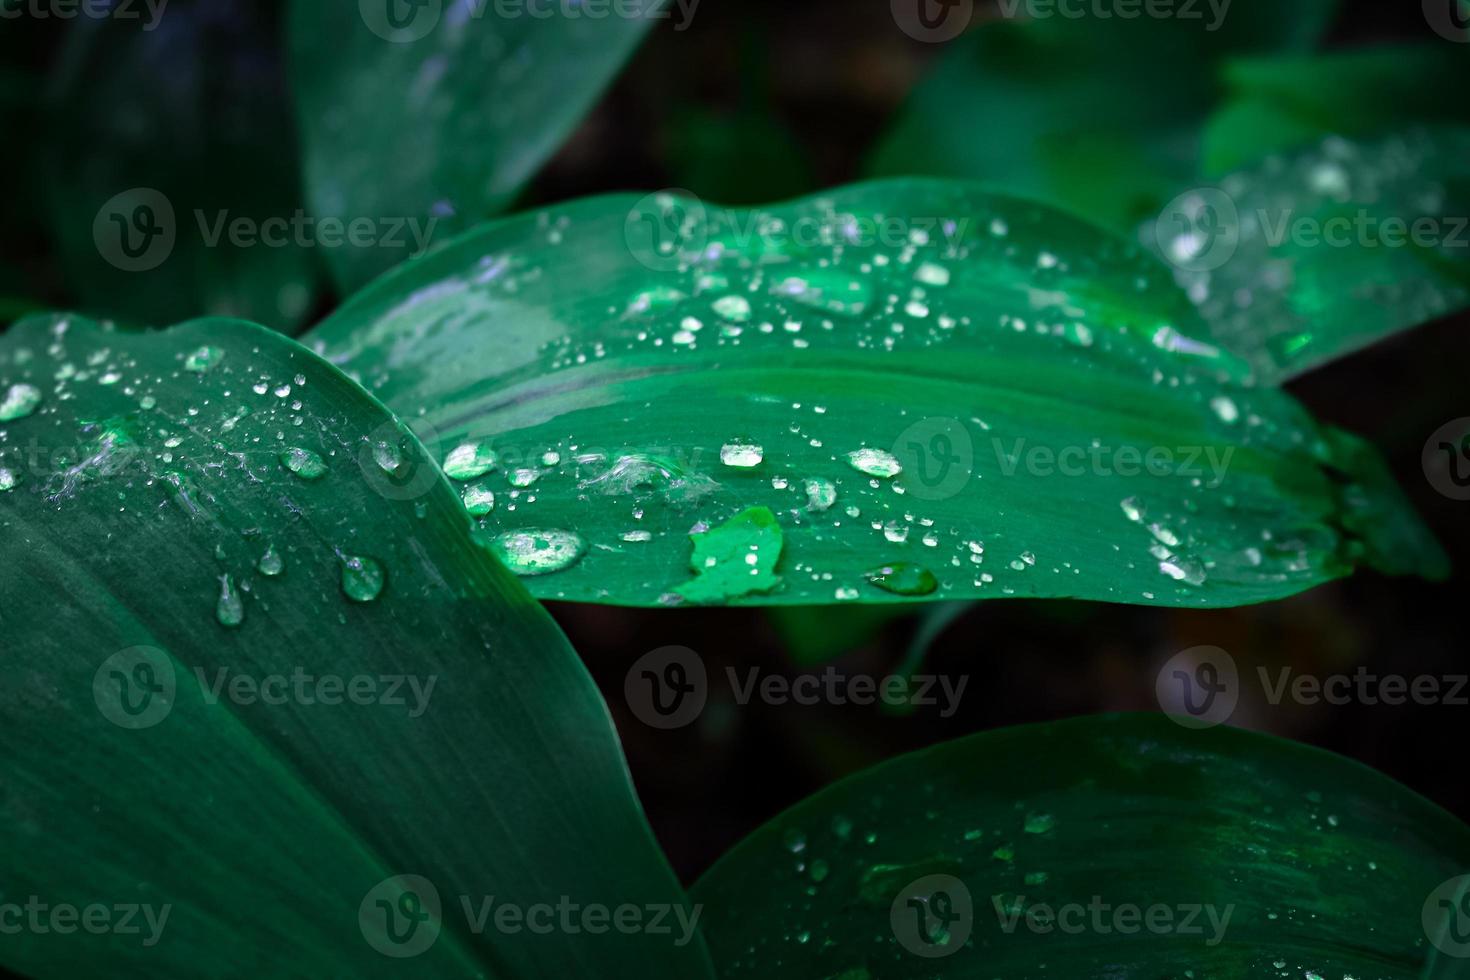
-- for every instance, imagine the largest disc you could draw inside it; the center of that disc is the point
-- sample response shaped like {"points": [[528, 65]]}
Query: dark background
{"points": [[765, 99]]}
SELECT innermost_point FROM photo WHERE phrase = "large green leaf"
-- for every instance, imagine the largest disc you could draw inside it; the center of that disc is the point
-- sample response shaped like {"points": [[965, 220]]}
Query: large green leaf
{"points": [[165, 132], [1324, 868], [1279, 104], [622, 374], [1316, 253], [437, 112], [1101, 115], [215, 506]]}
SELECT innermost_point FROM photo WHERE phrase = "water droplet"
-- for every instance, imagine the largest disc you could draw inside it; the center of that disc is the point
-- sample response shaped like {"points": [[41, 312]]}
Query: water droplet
{"points": [[904, 578], [1040, 823], [932, 275], [229, 610], [271, 562], [20, 401], [478, 499], [820, 494], [304, 463], [362, 578], [8, 479], [203, 359], [736, 309], [538, 551], [741, 455], [388, 456], [469, 460], [1225, 409], [523, 477], [875, 462]]}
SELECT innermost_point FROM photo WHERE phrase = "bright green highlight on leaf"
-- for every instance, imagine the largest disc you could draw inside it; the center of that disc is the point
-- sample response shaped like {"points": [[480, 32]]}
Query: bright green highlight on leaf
{"points": [[913, 374], [735, 559], [1283, 851]]}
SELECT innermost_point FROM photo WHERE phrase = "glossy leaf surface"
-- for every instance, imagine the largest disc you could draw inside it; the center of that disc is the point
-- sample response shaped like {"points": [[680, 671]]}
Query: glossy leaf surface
{"points": [[258, 669], [1099, 847], [937, 392]]}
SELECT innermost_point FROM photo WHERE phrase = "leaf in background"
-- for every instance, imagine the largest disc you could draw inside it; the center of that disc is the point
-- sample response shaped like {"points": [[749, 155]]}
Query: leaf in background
{"points": [[163, 133], [742, 157], [939, 393], [212, 505], [1101, 116], [1324, 866], [1312, 255], [441, 117], [1280, 104]]}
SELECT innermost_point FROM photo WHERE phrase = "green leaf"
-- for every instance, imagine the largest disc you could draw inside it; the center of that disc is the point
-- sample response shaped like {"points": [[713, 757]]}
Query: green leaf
{"points": [[1312, 255], [440, 117], [641, 370], [1324, 867], [162, 136], [1279, 104], [1101, 116], [211, 507]]}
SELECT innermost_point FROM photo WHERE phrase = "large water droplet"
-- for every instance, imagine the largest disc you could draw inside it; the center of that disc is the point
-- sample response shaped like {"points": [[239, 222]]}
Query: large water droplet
{"points": [[20, 401], [538, 551], [271, 562], [304, 463], [875, 462], [469, 460], [820, 494], [478, 499], [904, 578], [203, 359], [362, 578], [8, 479], [741, 455], [229, 610]]}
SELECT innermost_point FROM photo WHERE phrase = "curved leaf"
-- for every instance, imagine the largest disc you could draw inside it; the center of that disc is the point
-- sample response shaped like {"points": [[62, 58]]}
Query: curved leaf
{"points": [[437, 112], [1100, 115], [258, 669], [1246, 855], [1311, 255], [167, 124], [717, 402]]}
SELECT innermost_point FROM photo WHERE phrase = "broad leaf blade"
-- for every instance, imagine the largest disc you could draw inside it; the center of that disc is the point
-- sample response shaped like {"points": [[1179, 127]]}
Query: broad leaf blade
{"points": [[1018, 365], [163, 133], [1101, 116], [1314, 254], [438, 113], [147, 488], [1324, 865]]}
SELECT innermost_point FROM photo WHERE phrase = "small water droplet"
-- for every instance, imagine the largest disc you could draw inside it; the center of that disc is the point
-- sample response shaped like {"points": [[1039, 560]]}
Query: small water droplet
{"points": [[523, 477], [820, 494], [362, 578], [904, 578], [1040, 823], [478, 499], [203, 359], [8, 479], [229, 610], [736, 309], [20, 401], [271, 562], [875, 462], [470, 460]]}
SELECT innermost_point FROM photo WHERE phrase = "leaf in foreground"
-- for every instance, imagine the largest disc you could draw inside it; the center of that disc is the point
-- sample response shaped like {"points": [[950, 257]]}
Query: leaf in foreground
{"points": [[937, 392], [258, 670], [1114, 846]]}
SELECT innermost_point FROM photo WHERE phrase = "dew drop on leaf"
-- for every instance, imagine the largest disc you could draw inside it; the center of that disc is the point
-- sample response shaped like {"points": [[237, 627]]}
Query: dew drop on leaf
{"points": [[203, 359], [741, 455], [229, 610], [271, 562], [362, 578], [470, 460], [875, 462], [304, 463], [820, 494], [538, 551], [478, 499], [904, 578], [20, 400]]}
